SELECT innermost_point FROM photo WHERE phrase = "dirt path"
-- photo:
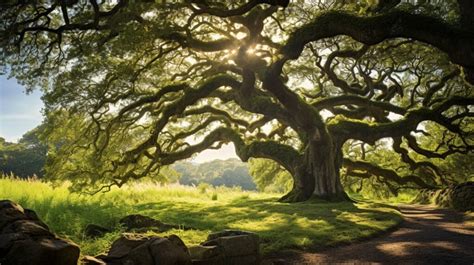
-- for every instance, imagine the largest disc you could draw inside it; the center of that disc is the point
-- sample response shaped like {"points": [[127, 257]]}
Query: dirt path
{"points": [[427, 236]]}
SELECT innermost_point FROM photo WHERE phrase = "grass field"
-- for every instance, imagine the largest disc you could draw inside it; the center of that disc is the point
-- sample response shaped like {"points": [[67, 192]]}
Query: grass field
{"points": [[280, 226]]}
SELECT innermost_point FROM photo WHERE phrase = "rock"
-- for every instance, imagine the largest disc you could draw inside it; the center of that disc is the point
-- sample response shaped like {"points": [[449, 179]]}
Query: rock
{"points": [[133, 249], [28, 227], [25, 239], [94, 231], [178, 242], [204, 252], [232, 246], [88, 260], [126, 243], [42, 251], [459, 197], [228, 232], [167, 250], [141, 223]]}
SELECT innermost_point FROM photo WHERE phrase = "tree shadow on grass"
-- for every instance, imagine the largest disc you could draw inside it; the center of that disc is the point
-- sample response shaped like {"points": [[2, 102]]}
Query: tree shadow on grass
{"points": [[301, 225]]}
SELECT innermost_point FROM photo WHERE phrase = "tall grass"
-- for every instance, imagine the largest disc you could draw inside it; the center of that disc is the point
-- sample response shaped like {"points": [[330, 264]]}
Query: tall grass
{"points": [[300, 225]]}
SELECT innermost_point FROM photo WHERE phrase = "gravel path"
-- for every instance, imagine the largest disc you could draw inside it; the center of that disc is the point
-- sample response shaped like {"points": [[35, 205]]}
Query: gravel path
{"points": [[427, 236]]}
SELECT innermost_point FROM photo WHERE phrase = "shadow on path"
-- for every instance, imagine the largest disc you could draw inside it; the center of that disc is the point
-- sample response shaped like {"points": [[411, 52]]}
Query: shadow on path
{"points": [[427, 236]]}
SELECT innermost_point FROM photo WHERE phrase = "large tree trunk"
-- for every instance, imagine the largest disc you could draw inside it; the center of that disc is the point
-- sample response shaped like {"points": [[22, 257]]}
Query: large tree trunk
{"points": [[318, 174]]}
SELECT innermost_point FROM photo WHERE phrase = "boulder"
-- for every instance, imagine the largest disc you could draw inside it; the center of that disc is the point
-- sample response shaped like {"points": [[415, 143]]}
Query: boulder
{"points": [[95, 231], [134, 249], [88, 260], [204, 252], [141, 223], [459, 197], [229, 247], [25, 239]]}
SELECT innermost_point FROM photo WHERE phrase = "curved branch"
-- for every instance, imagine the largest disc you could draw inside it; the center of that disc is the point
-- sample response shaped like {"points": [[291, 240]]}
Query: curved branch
{"points": [[457, 42], [385, 173], [357, 100], [243, 9], [370, 132], [283, 154]]}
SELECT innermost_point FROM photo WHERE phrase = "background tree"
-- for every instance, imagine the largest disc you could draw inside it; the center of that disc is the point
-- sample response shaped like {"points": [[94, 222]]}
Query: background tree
{"points": [[25, 158], [292, 82], [270, 176]]}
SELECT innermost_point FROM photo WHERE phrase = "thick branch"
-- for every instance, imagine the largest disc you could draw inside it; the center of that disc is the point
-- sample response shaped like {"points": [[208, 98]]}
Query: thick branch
{"points": [[357, 100], [457, 42], [283, 154], [385, 173]]}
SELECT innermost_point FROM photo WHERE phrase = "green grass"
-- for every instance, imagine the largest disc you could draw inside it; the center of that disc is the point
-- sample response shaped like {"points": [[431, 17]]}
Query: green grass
{"points": [[280, 226]]}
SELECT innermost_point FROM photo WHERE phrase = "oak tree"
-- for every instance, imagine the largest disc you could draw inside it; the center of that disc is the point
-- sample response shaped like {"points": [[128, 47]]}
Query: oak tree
{"points": [[142, 84]]}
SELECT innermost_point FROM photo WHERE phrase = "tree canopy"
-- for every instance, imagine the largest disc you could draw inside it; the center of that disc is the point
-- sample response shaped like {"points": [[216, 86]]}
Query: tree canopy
{"points": [[139, 85]]}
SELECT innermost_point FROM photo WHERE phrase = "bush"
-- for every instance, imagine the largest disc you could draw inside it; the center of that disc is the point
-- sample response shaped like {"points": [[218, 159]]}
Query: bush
{"points": [[203, 187]]}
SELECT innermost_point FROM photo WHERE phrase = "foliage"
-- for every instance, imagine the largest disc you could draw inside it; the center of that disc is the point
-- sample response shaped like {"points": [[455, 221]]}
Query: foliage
{"points": [[270, 176], [25, 158], [305, 225], [133, 88]]}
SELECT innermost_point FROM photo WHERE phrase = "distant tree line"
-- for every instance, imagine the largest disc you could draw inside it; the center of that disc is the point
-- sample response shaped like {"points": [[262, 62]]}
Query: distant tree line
{"points": [[28, 157], [229, 173], [25, 158]]}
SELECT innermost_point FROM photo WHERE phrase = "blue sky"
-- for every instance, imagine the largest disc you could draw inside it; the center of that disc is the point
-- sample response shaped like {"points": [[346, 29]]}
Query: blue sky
{"points": [[19, 112]]}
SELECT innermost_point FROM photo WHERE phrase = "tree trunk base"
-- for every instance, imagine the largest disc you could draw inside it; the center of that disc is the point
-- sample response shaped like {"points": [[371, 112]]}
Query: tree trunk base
{"points": [[296, 195], [342, 197]]}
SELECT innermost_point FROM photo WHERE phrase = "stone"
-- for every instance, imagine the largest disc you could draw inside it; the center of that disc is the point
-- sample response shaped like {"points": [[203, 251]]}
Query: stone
{"points": [[204, 252], [41, 252], [122, 246], [25, 239], [141, 223], [133, 249], [88, 260], [27, 227], [95, 231], [134, 221], [459, 197], [228, 232], [178, 242], [166, 250], [235, 247]]}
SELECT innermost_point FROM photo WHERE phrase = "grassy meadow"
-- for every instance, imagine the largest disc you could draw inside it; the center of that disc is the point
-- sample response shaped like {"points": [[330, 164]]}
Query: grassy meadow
{"points": [[281, 226]]}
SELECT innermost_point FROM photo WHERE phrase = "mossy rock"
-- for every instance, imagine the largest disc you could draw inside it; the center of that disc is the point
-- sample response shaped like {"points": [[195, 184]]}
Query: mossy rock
{"points": [[459, 197]]}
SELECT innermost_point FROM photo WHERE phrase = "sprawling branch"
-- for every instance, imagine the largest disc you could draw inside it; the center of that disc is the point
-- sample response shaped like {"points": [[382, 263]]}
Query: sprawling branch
{"points": [[203, 8], [369, 132], [332, 102], [177, 108], [283, 154], [384, 173], [457, 42]]}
